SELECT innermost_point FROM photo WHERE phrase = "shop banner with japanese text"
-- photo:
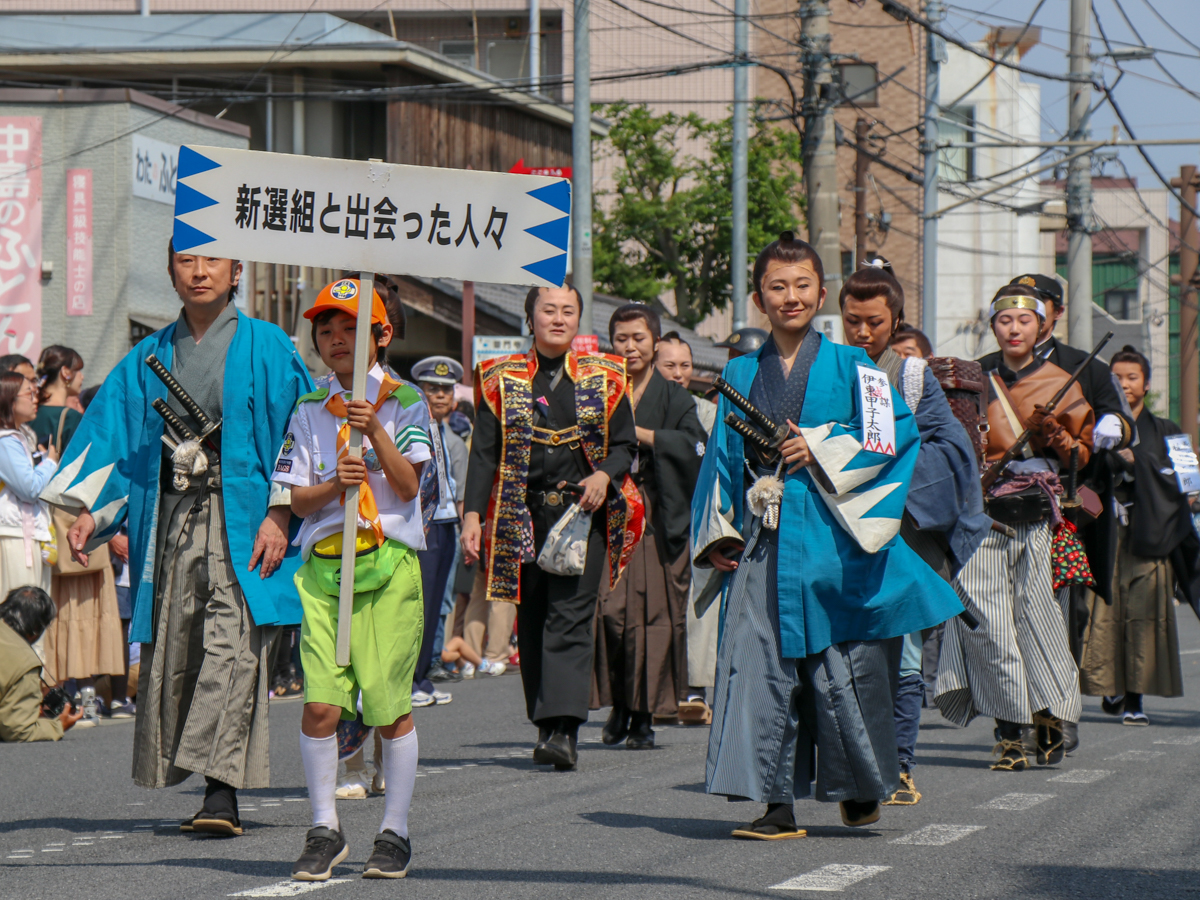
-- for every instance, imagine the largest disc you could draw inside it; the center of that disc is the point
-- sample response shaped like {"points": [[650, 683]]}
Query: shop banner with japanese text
{"points": [[377, 217], [21, 235], [79, 242]]}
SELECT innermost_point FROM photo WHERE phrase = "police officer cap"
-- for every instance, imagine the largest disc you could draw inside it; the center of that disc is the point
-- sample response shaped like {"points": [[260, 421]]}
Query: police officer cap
{"points": [[745, 340], [1048, 287], [438, 370]]}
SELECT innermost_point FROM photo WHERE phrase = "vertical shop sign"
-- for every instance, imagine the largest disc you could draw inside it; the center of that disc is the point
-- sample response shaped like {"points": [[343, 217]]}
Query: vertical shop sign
{"points": [[21, 235], [79, 242]]}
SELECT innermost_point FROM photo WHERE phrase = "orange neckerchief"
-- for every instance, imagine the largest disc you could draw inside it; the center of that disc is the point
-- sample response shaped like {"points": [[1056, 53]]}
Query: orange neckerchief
{"points": [[366, 498]]}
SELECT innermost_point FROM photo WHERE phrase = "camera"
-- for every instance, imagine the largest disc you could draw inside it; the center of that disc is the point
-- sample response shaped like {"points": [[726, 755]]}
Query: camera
{"points": [[55, 701]]}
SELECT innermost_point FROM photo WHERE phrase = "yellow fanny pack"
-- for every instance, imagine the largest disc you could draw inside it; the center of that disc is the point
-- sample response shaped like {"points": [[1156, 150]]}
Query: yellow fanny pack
{"points": [[373, 566]]}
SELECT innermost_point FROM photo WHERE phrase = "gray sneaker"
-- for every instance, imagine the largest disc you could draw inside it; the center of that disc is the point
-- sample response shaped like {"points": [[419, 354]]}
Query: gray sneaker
{"points": [[391, 858], [324, 848]]}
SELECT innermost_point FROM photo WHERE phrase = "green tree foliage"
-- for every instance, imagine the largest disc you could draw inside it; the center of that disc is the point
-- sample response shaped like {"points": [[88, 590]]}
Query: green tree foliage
{"points": [[668, 226]]}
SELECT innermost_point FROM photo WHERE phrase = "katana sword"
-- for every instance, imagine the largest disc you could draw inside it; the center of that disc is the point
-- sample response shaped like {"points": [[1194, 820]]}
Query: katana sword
{"points": [[208, 428]]}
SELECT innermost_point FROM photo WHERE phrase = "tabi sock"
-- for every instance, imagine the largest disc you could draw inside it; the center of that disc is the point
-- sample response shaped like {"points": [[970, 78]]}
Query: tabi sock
{"points": [[219, 797], [400, 775], [320, 756]]}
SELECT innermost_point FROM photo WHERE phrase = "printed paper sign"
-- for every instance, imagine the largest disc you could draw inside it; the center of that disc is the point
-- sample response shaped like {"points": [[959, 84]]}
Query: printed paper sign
{"points": [[585, 343], [79, 242], [155, 165], [879, 422], [21, 235], [375, 217], [1183, 458], [486, 346]]}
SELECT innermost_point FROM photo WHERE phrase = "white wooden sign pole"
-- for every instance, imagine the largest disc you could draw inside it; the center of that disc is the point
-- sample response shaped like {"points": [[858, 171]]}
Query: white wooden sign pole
{"points": [[375, 217], [358, 391]]}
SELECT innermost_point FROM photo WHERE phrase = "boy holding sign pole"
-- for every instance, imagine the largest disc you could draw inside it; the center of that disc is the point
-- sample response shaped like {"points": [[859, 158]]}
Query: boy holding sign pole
{"points": [[360, 635]]}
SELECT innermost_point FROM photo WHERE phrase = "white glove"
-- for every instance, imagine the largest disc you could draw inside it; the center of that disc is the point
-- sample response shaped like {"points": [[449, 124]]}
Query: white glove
{"points": [[1108, 432]]}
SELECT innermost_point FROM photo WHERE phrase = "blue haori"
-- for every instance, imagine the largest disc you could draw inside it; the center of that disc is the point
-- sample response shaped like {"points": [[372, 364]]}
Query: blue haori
{"points": [[113, 464], [845, 575]]}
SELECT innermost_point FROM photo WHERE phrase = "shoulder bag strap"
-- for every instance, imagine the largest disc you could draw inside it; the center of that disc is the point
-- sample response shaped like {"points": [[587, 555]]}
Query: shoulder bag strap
{"points": [[62, 420]]}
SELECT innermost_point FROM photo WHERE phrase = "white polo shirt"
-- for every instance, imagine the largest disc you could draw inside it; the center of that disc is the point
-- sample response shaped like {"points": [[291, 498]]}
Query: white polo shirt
{"points": [[309, 457]]}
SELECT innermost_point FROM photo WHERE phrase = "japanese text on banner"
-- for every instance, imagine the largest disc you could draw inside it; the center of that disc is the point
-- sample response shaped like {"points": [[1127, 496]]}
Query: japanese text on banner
{"points": [[21, 235], [879, 422], [79, 242]]}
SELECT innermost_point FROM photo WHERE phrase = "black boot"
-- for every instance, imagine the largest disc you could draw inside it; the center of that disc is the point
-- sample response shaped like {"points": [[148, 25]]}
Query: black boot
{"points": [[219, 816], [1050, 749], [1009, 748], [544, 732], [641, 735], [559, 750], [617, 727]]}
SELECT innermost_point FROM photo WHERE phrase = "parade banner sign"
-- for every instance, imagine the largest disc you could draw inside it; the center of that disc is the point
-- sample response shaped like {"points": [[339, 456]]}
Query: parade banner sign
{"points": [[376, 217], [79, 242], [21, 235]]}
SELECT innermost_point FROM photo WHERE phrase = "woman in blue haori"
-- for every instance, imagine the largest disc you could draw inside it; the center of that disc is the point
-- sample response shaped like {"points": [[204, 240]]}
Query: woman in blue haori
{"points": [[815, 607]]}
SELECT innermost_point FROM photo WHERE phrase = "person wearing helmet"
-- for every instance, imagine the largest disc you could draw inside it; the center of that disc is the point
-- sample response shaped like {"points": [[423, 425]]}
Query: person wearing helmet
{"points": [[744, 341]]}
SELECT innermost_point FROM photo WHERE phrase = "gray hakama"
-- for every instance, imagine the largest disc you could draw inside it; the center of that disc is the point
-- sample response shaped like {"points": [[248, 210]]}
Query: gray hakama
{"points": [[779, 723]]}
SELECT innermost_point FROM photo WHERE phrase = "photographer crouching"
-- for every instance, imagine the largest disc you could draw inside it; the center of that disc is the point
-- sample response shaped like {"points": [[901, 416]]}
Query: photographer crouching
{"points": [[24, 714]]}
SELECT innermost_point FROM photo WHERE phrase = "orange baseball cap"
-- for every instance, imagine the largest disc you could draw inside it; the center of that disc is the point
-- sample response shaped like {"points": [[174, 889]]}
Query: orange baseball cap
{"points": [[342, 295]]}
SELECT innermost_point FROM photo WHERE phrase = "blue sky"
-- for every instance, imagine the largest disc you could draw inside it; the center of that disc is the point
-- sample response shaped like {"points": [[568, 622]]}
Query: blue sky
{"points": [[1153, 105]]}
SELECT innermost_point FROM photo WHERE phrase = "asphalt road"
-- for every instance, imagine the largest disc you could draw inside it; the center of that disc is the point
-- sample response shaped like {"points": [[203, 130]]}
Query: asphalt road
{"points": [[1116, 819]]}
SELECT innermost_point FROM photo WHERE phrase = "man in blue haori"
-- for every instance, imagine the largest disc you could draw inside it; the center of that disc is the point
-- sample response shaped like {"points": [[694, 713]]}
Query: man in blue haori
{"points": [[820, 589], [202, 516]]}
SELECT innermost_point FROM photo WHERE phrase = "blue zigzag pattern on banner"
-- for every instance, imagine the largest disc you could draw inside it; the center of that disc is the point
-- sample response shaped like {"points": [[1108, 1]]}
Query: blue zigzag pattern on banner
{"points": [[553, 269], [193, 163], [188, 199], [555, 232], [186, 237], [557, 195]]}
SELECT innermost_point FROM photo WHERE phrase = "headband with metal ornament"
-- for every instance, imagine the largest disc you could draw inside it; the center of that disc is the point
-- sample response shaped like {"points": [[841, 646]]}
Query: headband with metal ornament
{"points": [[1018, 301]]}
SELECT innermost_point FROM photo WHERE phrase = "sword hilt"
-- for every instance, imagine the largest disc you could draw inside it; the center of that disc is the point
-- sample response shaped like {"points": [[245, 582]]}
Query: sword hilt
{"points": [[747, 431], [176, 423], [207, 426], [775, 434]]}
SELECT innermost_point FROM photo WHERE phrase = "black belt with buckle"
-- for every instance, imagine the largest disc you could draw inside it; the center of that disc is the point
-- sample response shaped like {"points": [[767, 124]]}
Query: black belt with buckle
{"points": [[535, 499]]}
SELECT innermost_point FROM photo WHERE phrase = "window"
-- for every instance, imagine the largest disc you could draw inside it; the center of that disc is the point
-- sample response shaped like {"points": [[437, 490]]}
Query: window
{"points": [[1122, 303], [957, 163], [508, 59], [461, 52], [853, 79]]}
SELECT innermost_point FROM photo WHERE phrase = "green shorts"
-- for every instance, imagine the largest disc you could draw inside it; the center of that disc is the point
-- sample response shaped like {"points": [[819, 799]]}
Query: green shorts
{"points": [[386, 628]]}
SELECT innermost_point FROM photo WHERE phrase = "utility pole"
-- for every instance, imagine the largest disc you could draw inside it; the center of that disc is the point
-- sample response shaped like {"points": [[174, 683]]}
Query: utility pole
{"points": [[581, 181], [1189, 361], [1079, 183], [861, 129], [535, 45], [741, 138], [935, 12], [820, 146]]}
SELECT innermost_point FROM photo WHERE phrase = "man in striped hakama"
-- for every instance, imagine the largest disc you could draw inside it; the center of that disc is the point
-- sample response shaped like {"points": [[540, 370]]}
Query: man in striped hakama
{"points": [[1017, 666], [197, 533]]}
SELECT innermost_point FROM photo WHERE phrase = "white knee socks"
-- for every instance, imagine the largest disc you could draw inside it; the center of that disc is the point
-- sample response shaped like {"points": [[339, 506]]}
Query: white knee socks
{"points": [[320, 756], [400, 773]]}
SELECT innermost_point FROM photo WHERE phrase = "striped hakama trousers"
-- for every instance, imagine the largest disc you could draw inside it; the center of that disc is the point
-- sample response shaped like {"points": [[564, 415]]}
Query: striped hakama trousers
{"points": [[778, 723], [202, 691], [1018, 661]]}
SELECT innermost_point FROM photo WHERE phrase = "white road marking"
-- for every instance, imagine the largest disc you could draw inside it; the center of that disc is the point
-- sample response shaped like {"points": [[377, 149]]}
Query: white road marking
{"points": [[833, 877], [135, 804], [52, 849], [1081, 776], [16, 856], [111, 837], [1138, 755], [288, 888], [1016, 802], [1186, 741], [295, 799], [938, 835], [1186, 652]]}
